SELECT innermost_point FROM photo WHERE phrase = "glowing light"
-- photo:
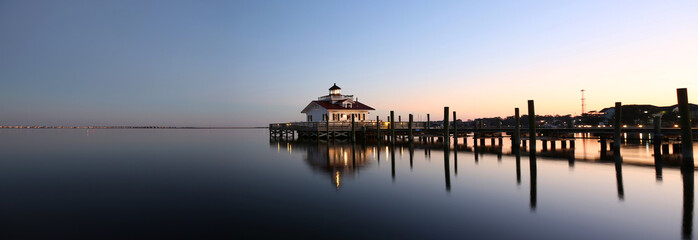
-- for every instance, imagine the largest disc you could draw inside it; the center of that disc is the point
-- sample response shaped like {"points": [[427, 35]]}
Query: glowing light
{"points": [[625, 126], [676, 125], [639, 126], [336, 179]]}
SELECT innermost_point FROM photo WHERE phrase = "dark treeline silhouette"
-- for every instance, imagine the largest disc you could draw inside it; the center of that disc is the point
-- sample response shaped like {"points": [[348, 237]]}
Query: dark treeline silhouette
{"points": [[633, 115]]}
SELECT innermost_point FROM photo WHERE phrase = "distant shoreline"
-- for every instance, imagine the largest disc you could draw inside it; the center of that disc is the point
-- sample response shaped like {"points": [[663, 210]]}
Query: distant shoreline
{"points": [[121, 127]]}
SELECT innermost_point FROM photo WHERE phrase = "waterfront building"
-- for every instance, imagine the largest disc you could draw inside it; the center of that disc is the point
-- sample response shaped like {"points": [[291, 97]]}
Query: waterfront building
{"points": [[336, 107]]}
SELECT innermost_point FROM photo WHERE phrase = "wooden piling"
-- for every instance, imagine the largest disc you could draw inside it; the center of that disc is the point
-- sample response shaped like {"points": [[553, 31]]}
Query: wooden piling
{"points": [[517, 129], [686, 132], [409, 129], [475, 131], [617, 125], [657, 142], [544, 143], [446, 126], [327, 127], [363, 133], [455, 127], [378, 128], [532, 128], [392, 126], [428, 139], [353, 129], [428, 122], [657, 134]]}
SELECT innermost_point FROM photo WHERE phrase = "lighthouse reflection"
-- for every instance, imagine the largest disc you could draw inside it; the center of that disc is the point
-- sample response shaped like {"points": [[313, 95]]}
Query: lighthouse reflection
{"points": [[336, 160]]}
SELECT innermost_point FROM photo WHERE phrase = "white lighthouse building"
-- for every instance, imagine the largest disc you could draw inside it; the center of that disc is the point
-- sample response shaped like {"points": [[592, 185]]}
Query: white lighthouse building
{"points": [[337, 107]]}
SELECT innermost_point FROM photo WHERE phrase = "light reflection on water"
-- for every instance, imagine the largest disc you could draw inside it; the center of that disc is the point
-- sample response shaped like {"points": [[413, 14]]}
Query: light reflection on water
{"points": [[238, 183]]}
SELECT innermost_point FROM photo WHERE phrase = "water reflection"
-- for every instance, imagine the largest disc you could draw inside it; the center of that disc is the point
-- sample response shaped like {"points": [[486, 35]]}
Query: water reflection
{"points": [[455, 161], [392, 160], [232, 183], [517, 152], [335, 159], [339, 160], [533, 165], [411, 148], [447, 171], [688, 191], [618, 160], [658, 160]]}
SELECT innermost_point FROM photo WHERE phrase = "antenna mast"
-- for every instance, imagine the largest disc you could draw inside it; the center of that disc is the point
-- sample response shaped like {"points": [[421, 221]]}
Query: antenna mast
{"points": [[583, 103]]}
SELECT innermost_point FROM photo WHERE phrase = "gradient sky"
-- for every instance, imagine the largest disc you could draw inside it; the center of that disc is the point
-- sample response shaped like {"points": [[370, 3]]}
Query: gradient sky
{"points": [[248, 63]]}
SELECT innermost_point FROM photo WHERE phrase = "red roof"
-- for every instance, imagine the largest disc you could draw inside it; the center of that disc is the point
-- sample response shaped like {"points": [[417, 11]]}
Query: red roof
{"points": [[355, 106]]}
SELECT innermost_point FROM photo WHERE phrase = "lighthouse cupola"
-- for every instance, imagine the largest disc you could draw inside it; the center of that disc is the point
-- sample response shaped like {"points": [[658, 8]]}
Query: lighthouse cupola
{"points": [[335, 90]]}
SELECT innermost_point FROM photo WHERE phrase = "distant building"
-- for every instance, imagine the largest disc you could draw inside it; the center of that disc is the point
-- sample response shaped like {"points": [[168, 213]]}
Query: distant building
{"points": [[692, 108], [608, 113], [338, 107]]}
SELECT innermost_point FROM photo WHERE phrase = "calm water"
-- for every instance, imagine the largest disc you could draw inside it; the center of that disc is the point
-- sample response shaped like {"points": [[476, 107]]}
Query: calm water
{"points": [[237, 183]]}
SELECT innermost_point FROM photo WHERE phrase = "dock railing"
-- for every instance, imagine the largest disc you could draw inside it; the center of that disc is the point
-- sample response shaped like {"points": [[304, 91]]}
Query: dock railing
{"points": [[345, 126]]}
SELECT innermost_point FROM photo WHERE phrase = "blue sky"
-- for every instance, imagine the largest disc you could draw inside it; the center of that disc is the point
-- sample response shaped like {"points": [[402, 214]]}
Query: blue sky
{"points": [[248, 63]]}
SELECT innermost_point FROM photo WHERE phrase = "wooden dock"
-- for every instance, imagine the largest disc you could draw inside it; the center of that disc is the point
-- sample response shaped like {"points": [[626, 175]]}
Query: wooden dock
{"points": [[446, 131]]}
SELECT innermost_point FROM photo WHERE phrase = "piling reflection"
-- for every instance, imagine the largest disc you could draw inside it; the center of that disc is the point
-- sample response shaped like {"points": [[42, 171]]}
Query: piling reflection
{"points": [[447, 171], [455, 161], [688, 191], [517, 152], [411, 148], [619, 173], [658, 159], [534, 182], [533, 165], [475, 149], [392, 160]]}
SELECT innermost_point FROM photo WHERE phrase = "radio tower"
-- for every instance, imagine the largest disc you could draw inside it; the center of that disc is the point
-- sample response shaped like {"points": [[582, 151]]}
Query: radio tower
{"points": [[583, 103]]}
